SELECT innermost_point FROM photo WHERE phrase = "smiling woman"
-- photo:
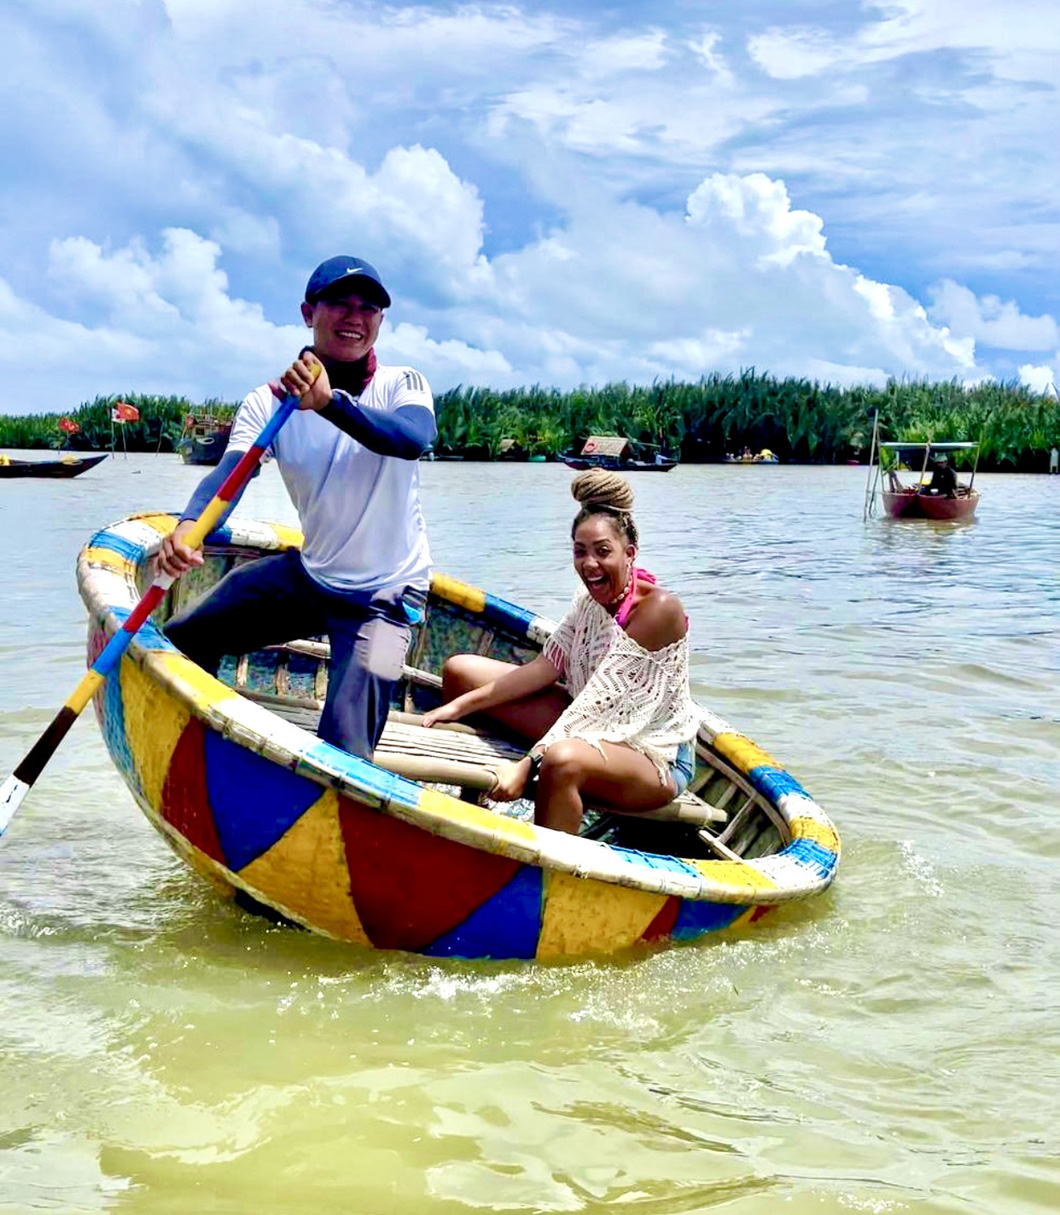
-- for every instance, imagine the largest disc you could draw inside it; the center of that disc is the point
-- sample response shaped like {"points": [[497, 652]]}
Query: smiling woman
{"points": [[606, 704]]}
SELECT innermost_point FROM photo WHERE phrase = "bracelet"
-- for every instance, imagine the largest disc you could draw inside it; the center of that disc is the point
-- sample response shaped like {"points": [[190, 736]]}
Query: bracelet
{"points": [[535, 769]]}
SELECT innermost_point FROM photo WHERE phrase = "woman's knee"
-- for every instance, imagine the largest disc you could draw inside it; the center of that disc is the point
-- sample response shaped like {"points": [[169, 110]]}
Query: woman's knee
{"points": [[458, 675], [566, 762]]}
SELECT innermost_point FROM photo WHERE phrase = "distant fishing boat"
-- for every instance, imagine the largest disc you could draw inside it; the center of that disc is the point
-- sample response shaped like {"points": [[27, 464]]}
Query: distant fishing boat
{"points": [[204, 439], [398, 853], [66, 466], [615, 453], [920, 499]]}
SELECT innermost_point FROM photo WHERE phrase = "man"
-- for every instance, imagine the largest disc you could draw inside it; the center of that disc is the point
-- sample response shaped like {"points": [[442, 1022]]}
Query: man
{"points": [[943, 478], [348, 461]]}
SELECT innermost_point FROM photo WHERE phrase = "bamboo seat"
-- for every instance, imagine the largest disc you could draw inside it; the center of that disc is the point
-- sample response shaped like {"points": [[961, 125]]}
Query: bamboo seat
{"points": [[451, 753], [447, 754], [457, 754]]}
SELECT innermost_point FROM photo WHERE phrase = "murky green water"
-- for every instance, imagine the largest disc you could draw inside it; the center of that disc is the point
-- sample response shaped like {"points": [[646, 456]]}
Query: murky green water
{"points": [[892, 1046]]}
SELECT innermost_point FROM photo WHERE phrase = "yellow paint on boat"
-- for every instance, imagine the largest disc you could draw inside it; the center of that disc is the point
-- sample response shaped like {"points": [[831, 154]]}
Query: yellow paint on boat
{"points": [[163, 524], [460, 593], [478, 818], [820, 833], [289, 537], [203, 690], [306, 870], [582, 916], [154, 722], [731, 874], [742, 753], [107, 558]]}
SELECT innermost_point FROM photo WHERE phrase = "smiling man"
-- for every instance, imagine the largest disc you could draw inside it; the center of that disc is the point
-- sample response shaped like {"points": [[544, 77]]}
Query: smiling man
{"points": [[348, 461]]}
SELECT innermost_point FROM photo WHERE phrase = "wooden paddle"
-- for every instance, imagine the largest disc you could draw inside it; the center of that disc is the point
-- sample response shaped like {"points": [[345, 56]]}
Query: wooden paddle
{"points": [[15, 788]]}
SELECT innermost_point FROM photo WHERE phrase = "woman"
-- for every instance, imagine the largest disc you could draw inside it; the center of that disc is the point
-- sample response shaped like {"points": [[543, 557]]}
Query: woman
{"points": [[607, 699]]}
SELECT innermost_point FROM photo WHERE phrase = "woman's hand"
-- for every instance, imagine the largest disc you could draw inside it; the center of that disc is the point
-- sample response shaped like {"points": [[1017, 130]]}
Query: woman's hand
{"points": [[307, 380], [175, 557], [511, 780]]}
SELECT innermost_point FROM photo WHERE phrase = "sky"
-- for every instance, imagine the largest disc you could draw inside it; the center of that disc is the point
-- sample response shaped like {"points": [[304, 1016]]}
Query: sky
{"points": [[560, 195]]}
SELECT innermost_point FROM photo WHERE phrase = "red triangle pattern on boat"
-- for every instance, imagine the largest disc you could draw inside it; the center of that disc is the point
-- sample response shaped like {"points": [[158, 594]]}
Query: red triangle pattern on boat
{"points": [[410, 887], [185, 800], [663, 924]]}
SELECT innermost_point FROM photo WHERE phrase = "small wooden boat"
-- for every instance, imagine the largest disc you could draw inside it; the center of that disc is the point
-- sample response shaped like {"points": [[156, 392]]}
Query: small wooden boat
{"points": [[399, 853], [204, 439], [902, 499], [615, 453], [67, 466]]}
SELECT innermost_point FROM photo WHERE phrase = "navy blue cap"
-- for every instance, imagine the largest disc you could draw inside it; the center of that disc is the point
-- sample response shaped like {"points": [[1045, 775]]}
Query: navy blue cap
{"points": [[339, 275]]}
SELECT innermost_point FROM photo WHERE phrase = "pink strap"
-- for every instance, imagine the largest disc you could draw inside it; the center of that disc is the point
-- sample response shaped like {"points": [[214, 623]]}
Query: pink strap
{"points": [[626, 606]]}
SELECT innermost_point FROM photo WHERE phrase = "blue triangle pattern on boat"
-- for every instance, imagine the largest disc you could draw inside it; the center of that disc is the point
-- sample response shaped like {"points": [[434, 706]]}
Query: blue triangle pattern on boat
{"points": [[505, 926], [254, 801], [695, 918]]}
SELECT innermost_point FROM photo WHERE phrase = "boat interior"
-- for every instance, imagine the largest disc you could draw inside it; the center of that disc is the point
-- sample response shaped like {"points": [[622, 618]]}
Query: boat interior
{"points": [[721, 815]]}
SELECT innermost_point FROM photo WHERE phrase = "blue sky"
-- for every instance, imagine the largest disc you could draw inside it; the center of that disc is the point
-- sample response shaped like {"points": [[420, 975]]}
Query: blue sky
{"points": [[554, 194]]}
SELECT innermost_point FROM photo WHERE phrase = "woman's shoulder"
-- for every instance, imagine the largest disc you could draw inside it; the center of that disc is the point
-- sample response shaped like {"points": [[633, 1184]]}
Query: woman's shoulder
{"points": [[658, 619]]}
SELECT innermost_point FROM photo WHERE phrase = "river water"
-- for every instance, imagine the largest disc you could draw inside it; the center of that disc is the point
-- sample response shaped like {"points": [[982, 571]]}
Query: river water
{"points": [[891, 1046]]}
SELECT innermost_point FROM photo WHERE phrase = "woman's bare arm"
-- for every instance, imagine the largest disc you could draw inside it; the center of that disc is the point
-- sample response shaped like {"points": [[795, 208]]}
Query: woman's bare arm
{"points": [[522, 681]]}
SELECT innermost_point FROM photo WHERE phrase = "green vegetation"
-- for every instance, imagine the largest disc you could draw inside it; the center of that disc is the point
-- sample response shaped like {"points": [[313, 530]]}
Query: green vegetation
{"points": [[159, 427], [801, 420]]}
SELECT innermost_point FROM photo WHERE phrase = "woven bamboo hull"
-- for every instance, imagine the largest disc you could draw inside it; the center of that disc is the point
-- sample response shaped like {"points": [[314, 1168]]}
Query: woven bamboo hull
{"points": [[264, 809]]}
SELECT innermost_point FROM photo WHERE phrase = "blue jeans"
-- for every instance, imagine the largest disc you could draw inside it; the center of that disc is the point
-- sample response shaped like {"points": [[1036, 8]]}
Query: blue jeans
{"points": [[683, 768], [274, 600]]}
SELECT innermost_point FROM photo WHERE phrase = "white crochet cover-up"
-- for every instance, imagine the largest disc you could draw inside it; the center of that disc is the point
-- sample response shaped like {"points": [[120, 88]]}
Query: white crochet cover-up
{"points": [[620, 692]]}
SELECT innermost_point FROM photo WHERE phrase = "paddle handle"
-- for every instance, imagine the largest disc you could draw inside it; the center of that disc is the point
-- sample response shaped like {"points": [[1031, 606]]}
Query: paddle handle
{"points": [[14, 789]]}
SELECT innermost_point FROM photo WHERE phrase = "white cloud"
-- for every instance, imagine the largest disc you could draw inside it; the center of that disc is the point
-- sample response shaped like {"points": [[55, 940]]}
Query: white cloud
{"points": [[789, 54], [1041, 378], [560, 200], [990, 320]]}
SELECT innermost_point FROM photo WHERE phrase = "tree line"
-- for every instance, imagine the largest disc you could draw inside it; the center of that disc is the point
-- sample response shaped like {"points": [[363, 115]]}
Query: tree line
{"points": [[802, 421]]}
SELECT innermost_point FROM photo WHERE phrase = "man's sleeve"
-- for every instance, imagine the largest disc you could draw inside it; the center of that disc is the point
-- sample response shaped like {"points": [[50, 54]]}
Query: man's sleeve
{"points": [[405, 430]]}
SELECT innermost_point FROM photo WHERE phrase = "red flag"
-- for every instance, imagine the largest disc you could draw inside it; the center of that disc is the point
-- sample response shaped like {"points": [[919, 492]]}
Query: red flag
{"points": [[124, 412], [69, 425]]}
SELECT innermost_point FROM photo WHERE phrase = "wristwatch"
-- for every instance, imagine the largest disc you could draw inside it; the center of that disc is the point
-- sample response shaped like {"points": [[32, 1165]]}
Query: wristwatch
{"points": [[535, 769]]}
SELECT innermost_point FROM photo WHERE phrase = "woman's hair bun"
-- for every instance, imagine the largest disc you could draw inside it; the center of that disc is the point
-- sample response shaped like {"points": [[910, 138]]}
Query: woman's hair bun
{"points": [[601, 487]]}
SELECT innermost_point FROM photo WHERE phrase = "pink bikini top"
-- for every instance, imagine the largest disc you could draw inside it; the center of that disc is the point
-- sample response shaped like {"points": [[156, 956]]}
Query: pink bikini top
{"points": [[626, 606]]}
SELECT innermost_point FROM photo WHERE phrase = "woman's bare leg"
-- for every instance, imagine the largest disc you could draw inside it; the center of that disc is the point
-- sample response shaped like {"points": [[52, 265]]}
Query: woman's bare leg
{"points": [[529, 717], [573, 771]]}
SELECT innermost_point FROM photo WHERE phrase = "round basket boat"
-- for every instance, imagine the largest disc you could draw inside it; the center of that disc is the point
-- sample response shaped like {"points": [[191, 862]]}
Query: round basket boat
{"points": [[400, 853]]}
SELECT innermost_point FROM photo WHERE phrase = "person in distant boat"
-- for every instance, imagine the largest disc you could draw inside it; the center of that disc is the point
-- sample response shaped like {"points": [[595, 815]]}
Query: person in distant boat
{"points": [[607, 702], [943, 479], [348, 459]]}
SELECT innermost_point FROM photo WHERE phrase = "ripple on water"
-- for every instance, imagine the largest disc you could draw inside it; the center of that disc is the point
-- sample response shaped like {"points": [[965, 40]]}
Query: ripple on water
{"points": [[889, 1046]]}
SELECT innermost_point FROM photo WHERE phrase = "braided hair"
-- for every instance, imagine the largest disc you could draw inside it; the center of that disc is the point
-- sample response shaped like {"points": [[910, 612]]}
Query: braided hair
{"points": [[602, 492]]}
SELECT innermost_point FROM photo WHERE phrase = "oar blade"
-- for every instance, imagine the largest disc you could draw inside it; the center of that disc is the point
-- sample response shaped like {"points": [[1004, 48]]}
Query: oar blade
{"points": [[12, 792]]}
